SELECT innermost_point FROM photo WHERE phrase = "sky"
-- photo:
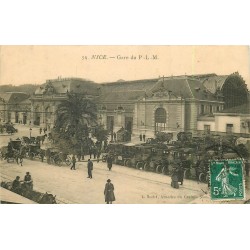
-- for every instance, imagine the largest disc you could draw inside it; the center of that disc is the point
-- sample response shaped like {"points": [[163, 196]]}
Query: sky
{"points": [[36, 64]]}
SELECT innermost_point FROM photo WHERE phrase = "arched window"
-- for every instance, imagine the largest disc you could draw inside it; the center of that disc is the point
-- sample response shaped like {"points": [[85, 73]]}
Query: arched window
{"points": [[160, 119]]}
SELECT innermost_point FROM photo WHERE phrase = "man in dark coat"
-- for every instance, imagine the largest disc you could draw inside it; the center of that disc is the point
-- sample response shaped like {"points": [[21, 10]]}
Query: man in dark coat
{"points": [[28, 182], [73, 167], [90, 168], [109, 192], [140, 137], [16, 185], [180, 174], [174, 178], [109, 161]]}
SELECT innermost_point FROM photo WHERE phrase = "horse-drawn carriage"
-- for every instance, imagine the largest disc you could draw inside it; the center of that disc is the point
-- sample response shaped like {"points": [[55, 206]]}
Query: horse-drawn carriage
{"points": [[7, 128], [11, 151], [57, 157], [34, 151]]}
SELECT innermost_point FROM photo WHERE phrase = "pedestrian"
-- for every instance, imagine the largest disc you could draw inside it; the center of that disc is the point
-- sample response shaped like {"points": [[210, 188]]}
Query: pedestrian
{"points": [[144, 137], [42, 154], [90, 168], [17, 158], [21, 160], [79, 157], [73, 167], [109, 192], [90, 152], [98, 155], [109, 161], [44, 130], [41, 130], [180, 174], [174, 179], [114, 136], [94, 150], [140, 137]]}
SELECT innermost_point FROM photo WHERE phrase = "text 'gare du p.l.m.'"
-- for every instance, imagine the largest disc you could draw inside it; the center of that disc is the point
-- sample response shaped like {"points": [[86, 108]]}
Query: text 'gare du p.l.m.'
{"points": [[159, 135]]}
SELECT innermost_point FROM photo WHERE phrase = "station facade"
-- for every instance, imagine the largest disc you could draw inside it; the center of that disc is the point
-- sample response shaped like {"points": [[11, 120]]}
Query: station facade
{"points": [[171, 104]]}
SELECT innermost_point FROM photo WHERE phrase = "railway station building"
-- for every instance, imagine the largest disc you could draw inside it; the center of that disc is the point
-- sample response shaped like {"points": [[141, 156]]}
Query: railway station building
{"points": [[171, 104]]}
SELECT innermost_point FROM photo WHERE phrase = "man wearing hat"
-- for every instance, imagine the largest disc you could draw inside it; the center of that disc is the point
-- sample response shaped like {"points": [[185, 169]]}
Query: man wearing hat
{"points": [[109, 192], [90, 168], [16, 185], [28, 181]]}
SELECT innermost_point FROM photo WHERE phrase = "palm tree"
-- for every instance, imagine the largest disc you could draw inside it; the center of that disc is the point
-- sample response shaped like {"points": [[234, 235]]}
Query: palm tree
{"points": [[75, 115]]}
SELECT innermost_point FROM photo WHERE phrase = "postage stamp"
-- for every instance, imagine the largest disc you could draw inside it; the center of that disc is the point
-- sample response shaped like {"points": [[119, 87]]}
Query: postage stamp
{"points": [[227, 180]]}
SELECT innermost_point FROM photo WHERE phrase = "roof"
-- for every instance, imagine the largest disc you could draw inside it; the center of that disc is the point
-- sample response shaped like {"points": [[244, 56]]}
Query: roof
{"points": [[242, 109], [62, 86], [185, 87], [180, 86], [122, 96], [14, 97], [125, 86], [212, 82]]}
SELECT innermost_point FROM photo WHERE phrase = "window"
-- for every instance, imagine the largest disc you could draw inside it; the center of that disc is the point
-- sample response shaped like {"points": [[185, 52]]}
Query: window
{"points": [[207, 128], [202, 109], [229, 128], [160, 119], [210, 109]]}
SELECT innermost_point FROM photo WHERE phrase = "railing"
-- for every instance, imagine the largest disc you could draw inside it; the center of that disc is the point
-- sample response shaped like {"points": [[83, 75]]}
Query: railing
{"points": [[202, 133]]}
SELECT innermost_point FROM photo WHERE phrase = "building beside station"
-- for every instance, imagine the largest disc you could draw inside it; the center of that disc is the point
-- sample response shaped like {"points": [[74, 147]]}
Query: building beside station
{"points": [[15, 107], [190, 103]]}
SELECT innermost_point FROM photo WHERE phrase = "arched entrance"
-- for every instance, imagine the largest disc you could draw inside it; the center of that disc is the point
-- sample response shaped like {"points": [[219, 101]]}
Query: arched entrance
{"points": [[160, 119]]}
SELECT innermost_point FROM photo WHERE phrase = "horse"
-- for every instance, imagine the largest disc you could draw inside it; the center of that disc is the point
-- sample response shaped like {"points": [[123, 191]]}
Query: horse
{"points": [[41, 138], [47, 199]]}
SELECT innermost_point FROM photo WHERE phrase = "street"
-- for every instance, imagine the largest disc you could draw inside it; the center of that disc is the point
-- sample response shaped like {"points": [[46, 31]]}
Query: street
{"points": [[132, 186]]}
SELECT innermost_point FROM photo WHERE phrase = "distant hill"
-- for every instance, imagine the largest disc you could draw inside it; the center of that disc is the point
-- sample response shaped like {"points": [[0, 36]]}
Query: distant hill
{"points": [[27, 88]]}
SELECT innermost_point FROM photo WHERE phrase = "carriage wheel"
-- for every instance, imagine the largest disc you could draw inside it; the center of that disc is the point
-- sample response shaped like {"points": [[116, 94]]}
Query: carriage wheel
{"points": [[128, 163], [146, 166], [139, 165], [164, 170], [158, 169], [207, 179], [202, 177], [187, 174], [59, 162]]}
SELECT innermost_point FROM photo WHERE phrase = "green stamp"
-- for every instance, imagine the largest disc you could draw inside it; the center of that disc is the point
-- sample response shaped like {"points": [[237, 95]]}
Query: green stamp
{"points": [[227, 180]]}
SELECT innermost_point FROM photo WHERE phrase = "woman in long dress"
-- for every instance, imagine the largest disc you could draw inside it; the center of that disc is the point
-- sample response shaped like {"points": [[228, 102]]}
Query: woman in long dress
{"points": [[223, 177]]}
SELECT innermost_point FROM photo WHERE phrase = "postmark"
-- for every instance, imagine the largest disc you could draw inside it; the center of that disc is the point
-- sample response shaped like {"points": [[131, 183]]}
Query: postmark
{"points": [[227, 180]]}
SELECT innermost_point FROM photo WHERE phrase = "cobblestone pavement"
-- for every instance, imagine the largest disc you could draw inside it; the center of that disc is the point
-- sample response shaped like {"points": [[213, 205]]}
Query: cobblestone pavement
{"points": [[72, 186], [131, 185]]}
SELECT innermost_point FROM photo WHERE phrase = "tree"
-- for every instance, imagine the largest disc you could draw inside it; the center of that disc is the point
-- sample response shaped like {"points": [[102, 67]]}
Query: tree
{"points": [[163, 136], [74, 117], [100, 133], [75, 114]]}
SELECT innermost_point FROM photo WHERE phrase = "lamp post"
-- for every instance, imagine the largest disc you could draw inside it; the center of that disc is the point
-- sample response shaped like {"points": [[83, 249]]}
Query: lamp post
{"points": [[30, 132]]}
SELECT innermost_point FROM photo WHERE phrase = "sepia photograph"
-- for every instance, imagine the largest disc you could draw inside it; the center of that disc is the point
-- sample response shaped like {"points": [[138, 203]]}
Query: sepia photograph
{"points": [[124, 124]]}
